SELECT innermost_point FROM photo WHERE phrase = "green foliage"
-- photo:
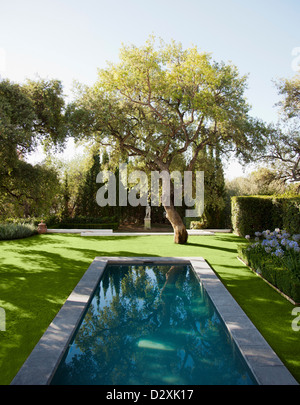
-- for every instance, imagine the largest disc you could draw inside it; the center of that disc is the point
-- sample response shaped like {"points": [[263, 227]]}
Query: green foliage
{"points": [[197, 224], [86, 204], [16, 231], [262, 181], [16, 123], [290, 89], [48, 220], [28, 190], [88, 220], [85, 222], [29, 113], [276, 257], [209, 161], [291, 214], [164, 104], [102, 225], [255, 213], [159, 102], [283, 140], [279, 276], [48, 105]]}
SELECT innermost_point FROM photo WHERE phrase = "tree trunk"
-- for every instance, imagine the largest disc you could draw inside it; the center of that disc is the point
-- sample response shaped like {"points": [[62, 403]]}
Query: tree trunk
{"points": [[180, 232]]}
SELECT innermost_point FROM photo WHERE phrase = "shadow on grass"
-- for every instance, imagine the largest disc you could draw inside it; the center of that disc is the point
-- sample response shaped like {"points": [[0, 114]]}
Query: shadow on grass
{"points": [[92, 253], [230, 238], [36, 240], [200, 245]]}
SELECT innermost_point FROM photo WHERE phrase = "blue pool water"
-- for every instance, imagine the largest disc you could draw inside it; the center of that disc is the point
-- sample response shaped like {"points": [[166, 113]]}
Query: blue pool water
{"points": [[151, 325]]}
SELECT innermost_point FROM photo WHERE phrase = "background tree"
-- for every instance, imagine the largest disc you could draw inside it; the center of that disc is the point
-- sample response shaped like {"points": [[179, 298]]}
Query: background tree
{"points": [[86, 204], [283, 141], [262, 181], [16, 122], [290, 90], [49, 125], [214, 184], [158, 103], [29, 114], [29, 191]]}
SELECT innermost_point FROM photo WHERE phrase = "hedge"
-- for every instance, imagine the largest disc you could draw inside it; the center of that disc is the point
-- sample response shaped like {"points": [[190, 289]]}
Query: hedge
{"points": [[279, 276], [88, 220], [256, 213], [79, 222], [74, 225]]}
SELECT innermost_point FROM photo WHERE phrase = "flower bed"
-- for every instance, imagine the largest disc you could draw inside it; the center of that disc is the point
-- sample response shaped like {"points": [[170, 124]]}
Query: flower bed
{"points": [[276, 257]]}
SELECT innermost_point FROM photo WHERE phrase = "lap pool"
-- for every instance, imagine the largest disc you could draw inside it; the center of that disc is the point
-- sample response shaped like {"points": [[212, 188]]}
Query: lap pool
{"points": [[152, 321], [151, 324]]}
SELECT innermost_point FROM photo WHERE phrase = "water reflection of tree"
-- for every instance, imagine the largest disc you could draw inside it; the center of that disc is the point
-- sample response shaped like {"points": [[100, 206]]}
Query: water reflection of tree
{"points": [[159, 305]]}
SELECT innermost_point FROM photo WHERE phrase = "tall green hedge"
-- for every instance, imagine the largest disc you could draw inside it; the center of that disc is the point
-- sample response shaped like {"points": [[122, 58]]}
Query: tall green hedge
{"points": [[257, 213]]}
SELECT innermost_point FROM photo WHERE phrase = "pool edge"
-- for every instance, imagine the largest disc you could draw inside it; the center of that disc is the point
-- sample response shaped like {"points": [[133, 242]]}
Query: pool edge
{"points": [[263, 362], [43, 361]]}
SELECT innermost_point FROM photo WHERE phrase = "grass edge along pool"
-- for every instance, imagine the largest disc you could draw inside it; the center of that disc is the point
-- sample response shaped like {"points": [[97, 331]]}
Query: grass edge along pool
{"points": [[40, 366], [152, 324]]}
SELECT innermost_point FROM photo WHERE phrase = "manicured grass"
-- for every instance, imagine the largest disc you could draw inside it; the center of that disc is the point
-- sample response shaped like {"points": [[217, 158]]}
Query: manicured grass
{"points": [[38, 273]]}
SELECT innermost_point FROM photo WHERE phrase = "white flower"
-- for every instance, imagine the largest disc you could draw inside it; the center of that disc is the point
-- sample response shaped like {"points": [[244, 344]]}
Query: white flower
{"points": [[257, 234], [247, 237], [277, 230]]}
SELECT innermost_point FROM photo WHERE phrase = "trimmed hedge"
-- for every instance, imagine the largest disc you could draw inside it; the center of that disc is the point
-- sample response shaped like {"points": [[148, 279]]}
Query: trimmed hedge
{"points": [[279, 276], [255, 213], [79, 222], [88, 220], [74, 225]]}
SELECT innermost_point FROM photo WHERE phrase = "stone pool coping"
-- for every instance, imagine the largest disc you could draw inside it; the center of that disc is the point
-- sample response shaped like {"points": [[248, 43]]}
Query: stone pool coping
{"points": [[43, 361]]}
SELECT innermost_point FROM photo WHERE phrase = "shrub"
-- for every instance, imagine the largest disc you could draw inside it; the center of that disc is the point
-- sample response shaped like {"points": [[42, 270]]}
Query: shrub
{"points": [[10, 231], [49, 220], [197, 224], [74, 225], [276, 257], [88, 220], [252, 213]]}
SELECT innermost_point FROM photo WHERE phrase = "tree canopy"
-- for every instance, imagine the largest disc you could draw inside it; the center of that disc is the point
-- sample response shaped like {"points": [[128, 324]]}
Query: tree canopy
{"points": [[162, 102], [283, 140], [29, 113]]}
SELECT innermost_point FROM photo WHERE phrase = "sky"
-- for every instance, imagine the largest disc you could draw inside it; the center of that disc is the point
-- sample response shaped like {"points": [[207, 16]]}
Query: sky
{"points": [[70, 39]]}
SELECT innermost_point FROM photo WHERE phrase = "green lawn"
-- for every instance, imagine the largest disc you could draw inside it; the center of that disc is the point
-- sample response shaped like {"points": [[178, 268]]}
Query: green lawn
{"points": [[38, 273]]}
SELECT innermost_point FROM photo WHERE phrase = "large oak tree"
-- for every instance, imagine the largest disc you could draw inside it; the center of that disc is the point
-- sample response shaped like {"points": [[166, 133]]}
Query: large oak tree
{"points": [[161, 102]]}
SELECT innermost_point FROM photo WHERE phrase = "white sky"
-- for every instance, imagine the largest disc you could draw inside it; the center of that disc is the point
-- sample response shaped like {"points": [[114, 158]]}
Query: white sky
{"points": [[69, 39]]}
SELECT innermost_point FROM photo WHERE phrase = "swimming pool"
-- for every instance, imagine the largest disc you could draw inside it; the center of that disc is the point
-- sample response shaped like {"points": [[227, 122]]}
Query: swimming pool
{"points": [[189, 313], [151, 324]]}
